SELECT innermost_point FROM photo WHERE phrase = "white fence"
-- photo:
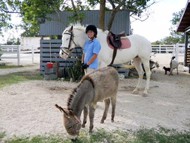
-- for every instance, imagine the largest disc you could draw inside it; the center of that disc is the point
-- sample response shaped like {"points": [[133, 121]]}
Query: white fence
{"points": [[177, 50], [12, 50], [15, 52]]}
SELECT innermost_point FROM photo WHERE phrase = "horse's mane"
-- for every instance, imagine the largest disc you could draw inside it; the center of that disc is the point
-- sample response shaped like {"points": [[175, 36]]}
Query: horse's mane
{"points": [[74, 92]]}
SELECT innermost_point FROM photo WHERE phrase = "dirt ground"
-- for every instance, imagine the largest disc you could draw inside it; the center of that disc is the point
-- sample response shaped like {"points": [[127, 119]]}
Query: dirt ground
{"points": [[28, 108]]}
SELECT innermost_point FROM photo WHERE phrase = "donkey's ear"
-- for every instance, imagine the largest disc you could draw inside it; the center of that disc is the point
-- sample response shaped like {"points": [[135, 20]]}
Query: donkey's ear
{"points": [[71, 29], [62, 109]]}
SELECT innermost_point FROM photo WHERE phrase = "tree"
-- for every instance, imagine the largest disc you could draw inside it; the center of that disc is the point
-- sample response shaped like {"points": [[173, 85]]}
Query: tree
{"points": [[135, 7], [102, 14], [13, 41], [34, 12], [7, 7]]}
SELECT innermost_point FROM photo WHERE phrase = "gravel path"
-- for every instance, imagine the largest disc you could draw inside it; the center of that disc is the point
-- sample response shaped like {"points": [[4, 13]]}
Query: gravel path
{"points": [[28, 108]]}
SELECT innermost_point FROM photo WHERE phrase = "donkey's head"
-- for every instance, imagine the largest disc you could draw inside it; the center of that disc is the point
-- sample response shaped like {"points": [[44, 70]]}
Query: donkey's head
{"points": [[71, 121]]}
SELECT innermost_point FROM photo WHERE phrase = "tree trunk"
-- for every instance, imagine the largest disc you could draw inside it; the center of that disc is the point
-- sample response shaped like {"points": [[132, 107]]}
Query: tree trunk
{"points": [[110, 23], [102, 15]]}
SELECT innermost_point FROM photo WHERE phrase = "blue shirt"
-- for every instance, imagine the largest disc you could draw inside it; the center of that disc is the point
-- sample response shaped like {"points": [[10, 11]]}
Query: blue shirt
{"points": [[91, 47]]}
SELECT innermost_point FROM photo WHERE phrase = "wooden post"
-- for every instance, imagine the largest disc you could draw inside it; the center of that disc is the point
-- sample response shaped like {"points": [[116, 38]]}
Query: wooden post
{"points": [[186, 43], [32, 54], [18, 55]]}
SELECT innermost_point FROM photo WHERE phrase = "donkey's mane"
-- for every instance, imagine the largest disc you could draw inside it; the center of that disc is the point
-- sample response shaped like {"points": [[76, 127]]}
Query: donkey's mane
{"points": [[74, 92]]}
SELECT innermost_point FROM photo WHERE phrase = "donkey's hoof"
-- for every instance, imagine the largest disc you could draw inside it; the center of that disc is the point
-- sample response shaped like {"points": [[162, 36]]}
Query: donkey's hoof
{"points": [[83, 125], [112, 120], [90, 131], [102, 121]]}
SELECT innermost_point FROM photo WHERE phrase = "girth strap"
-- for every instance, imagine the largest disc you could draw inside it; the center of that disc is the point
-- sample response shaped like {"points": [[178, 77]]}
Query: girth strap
{"points": [[113, 56], [115, 41]]}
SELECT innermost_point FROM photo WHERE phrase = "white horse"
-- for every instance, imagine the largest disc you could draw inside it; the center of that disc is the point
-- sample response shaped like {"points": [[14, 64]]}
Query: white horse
{"points": [[139, 52]]}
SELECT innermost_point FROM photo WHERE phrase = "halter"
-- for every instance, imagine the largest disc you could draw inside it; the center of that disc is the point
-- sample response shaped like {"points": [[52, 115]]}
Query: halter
{"points": [[69, 32]]}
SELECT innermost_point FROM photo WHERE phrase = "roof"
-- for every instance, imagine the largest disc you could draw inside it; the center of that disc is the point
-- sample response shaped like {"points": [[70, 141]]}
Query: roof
{"points": [[59, 21], [185, 19]]}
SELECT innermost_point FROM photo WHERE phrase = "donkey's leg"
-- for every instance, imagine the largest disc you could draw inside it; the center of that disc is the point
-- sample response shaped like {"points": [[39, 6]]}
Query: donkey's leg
{"points": [[91, 117], [85, 113], [113, 102], [146, 64], [138, 66], [107, 103]]}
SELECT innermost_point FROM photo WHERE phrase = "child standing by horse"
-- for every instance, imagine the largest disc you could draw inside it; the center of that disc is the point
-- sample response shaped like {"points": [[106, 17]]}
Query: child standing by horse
{"points": [[92, 48]]}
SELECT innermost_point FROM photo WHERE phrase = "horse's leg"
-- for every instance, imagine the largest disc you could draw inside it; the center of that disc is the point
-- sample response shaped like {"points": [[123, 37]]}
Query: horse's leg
{"points": [[138, 67], [107, 103], [113, 102], [85, 112], [146, 64], [91, 117]]}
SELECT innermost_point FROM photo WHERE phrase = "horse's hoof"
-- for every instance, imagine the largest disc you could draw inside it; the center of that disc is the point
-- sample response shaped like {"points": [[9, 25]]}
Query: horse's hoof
{"points": [[83, 125], [145, 94], [102, 121], [135, 92], [112, 120]]}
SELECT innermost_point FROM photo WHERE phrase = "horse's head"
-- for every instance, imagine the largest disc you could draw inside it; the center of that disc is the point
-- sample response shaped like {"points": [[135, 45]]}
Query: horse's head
{"points": [[72, 37], [71, 121], [67, 42]]}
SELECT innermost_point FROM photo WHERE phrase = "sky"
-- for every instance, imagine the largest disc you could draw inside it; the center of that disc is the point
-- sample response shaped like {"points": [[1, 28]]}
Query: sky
{"points": [[156, 27]]}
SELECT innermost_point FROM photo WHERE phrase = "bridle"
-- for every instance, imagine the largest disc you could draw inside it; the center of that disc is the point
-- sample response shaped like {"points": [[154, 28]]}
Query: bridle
{"points": [[71, 39]]}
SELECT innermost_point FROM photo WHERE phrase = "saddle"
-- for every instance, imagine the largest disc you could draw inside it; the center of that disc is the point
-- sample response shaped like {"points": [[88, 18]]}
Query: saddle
{"points": [[115, 39], [114, 42]]}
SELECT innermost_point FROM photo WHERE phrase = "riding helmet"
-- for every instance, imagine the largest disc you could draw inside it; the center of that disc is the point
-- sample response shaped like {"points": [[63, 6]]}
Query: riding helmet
{"points": [[92, 28]]}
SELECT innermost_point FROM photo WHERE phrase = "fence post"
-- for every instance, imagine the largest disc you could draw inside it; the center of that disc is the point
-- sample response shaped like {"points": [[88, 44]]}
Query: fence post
{"points": [[176, 51], [18, 55], [159, 48], [32, 54]]}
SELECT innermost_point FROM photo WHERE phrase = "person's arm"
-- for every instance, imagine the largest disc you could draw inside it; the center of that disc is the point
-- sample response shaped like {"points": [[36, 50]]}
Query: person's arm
{"points": [[92, 59]]}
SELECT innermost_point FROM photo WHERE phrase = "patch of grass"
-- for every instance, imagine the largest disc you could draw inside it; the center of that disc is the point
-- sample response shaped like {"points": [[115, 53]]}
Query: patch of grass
{"points": [[2, 135], [14, 78], [160, 135], [38, 139], [10, 66]]}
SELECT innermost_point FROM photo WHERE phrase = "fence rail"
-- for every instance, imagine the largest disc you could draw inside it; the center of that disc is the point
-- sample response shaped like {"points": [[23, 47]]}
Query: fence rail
{"points": [[49, 52], [12, 50], [179, 48]]}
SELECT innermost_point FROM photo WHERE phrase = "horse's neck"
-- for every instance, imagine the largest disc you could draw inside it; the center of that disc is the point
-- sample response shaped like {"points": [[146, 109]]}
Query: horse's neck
{"points": [[84, 95], [81, 37]]}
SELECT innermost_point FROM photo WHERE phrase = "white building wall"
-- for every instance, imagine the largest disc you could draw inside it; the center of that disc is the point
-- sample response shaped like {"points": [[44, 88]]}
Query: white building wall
{"points": [[27, 43]]}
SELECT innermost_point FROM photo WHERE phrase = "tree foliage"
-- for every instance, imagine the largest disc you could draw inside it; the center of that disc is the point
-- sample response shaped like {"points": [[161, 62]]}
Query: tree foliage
{"points": [[7, 7], [34, 12], [135, 7]]}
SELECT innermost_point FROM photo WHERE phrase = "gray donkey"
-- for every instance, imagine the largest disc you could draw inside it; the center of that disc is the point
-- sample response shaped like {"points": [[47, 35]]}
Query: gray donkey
{"points": [[94, 87]]}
